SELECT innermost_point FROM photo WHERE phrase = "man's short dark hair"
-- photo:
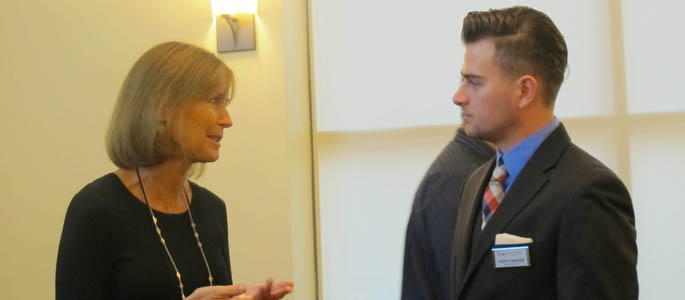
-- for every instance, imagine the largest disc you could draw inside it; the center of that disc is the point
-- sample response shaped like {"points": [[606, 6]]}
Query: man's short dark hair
{"points": [[526, 42]]}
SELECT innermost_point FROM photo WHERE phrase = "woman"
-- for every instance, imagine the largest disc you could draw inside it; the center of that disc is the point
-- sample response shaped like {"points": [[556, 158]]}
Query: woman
{"points": [[145, 231]]}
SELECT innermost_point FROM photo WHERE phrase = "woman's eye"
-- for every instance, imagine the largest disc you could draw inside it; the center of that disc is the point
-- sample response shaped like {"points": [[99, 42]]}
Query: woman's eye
{"points": [[219, 101]]}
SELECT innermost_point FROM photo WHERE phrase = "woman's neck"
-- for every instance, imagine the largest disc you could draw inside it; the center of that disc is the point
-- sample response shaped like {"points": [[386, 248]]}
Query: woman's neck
{"points": [[164, 184]]}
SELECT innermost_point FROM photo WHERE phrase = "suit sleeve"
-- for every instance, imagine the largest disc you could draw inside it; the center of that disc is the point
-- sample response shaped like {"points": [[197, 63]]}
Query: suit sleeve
{"points": [[597, 254], [420, 276], [83, 258]]}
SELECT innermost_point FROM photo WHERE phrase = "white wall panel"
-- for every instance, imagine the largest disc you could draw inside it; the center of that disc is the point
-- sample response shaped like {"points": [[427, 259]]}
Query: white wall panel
{"points": [[385, 64], [393, 64], [654, 50], [367, 183], [657, 164]]}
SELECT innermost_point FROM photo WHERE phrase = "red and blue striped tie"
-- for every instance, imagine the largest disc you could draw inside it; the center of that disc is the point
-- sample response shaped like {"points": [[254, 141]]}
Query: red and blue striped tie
{"points": [[494, 193]]}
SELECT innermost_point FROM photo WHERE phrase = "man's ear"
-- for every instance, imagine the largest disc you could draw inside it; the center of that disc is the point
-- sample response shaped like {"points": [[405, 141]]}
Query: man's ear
{"points": [[528, 90]]}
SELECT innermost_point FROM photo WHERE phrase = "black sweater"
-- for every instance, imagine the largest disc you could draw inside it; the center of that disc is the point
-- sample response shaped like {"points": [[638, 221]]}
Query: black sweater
{"points": [[109, 248]]}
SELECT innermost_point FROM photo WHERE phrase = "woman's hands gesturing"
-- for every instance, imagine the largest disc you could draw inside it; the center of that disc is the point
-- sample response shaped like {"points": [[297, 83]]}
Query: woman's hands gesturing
{"points": [[266, 291], [217, 292]]}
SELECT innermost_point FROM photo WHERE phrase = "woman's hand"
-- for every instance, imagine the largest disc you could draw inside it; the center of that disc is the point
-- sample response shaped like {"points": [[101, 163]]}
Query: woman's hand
{"points": [[217, 292], [267, 291]]}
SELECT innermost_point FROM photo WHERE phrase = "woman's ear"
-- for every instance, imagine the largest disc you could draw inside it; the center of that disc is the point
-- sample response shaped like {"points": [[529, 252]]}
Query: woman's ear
{"points": [[164, 116], [528, 90]]}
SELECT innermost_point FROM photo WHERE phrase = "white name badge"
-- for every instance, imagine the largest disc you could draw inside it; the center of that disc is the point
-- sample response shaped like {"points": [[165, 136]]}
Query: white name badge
{"points": [[511, 256]]}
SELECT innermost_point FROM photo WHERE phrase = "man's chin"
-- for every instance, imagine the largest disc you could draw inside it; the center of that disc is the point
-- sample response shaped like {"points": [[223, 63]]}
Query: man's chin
{"points": [[470, 131]]}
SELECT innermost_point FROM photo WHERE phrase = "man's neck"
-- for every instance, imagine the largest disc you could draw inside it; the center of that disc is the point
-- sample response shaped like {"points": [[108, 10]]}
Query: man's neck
{"points": [[526, 128]]}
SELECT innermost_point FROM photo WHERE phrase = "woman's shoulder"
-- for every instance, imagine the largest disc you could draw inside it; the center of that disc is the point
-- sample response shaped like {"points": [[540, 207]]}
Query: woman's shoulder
{"points": [[206, 196], [98, 194]]}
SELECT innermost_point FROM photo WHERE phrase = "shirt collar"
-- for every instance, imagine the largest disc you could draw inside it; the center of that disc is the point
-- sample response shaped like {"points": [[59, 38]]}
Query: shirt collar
{"points": [[516, 158]]}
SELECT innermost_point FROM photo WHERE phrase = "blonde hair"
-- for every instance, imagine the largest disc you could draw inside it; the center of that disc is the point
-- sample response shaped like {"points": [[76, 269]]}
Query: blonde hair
{"points": [[162, 83]]}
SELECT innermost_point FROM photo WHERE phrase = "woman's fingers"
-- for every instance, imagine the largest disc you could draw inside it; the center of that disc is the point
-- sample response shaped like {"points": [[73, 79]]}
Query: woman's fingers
{"points": [[217, 292], [267, 286], [282, 285], [279, 290], [268, 290], [229, 290], [278, 294]]}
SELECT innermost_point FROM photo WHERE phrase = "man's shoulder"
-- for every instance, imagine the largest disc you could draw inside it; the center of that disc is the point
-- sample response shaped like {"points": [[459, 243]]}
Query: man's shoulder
{"points": [[578, 174], [478, 176], [459, 158], [583, 166], [563, 161]]}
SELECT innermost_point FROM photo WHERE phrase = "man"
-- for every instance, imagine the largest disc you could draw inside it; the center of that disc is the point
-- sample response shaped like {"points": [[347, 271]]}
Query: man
{"points": [[544, 219], [428, 244]]}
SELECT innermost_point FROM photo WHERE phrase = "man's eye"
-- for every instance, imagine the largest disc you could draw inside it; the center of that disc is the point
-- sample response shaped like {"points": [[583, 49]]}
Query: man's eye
{"points": [[469, 81]]}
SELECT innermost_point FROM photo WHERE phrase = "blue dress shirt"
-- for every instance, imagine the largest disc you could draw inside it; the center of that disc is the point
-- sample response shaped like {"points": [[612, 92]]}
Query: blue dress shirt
{"points": [[517, 157]]}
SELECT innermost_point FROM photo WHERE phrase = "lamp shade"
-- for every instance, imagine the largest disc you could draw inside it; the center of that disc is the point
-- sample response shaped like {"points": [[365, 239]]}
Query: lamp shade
{"points": [[230, 7]]}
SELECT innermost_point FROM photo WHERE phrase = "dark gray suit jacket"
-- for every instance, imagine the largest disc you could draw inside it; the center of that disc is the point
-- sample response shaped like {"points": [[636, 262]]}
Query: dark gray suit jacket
{"points": [[428, 243], [579, 215]]}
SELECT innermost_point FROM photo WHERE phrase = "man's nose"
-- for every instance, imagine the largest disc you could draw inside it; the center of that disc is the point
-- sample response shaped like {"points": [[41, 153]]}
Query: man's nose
{"points": [[459, 97]]}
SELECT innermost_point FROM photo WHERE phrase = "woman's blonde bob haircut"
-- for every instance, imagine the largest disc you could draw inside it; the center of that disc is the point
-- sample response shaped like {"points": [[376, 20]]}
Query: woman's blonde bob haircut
{"points": [[158, 88]]}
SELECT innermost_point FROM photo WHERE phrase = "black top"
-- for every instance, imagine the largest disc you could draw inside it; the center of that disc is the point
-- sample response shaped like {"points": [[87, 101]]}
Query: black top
{"points": [[109, 248], [428, 245]]}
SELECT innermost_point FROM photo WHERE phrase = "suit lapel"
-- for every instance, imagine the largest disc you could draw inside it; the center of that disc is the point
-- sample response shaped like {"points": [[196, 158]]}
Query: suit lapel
{"points": [[528, 184], [520, 194], [467, 216]]}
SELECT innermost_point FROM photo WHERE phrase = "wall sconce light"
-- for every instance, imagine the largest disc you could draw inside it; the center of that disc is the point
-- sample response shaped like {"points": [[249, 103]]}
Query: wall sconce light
{"points": [[235, 28]]}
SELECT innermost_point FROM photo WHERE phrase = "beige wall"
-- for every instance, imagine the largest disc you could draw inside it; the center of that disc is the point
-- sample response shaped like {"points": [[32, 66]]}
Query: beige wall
{"points": [[61, 64]]}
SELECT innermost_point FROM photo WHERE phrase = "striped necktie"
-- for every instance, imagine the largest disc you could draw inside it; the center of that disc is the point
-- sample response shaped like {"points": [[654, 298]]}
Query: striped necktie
{"points": [[494, 193]]}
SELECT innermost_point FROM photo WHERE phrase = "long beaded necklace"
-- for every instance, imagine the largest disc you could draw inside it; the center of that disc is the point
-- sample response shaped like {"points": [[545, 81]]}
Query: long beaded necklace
{"points": [[161, 238]]}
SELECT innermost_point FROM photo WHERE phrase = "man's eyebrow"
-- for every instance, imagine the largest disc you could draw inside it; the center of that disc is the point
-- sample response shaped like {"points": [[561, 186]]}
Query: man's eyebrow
{"points": [[470, 76]]}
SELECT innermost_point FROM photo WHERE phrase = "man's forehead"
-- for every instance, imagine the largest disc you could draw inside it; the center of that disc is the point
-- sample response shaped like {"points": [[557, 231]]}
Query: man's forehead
{"points": [[481, 50], [478, 57]]}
